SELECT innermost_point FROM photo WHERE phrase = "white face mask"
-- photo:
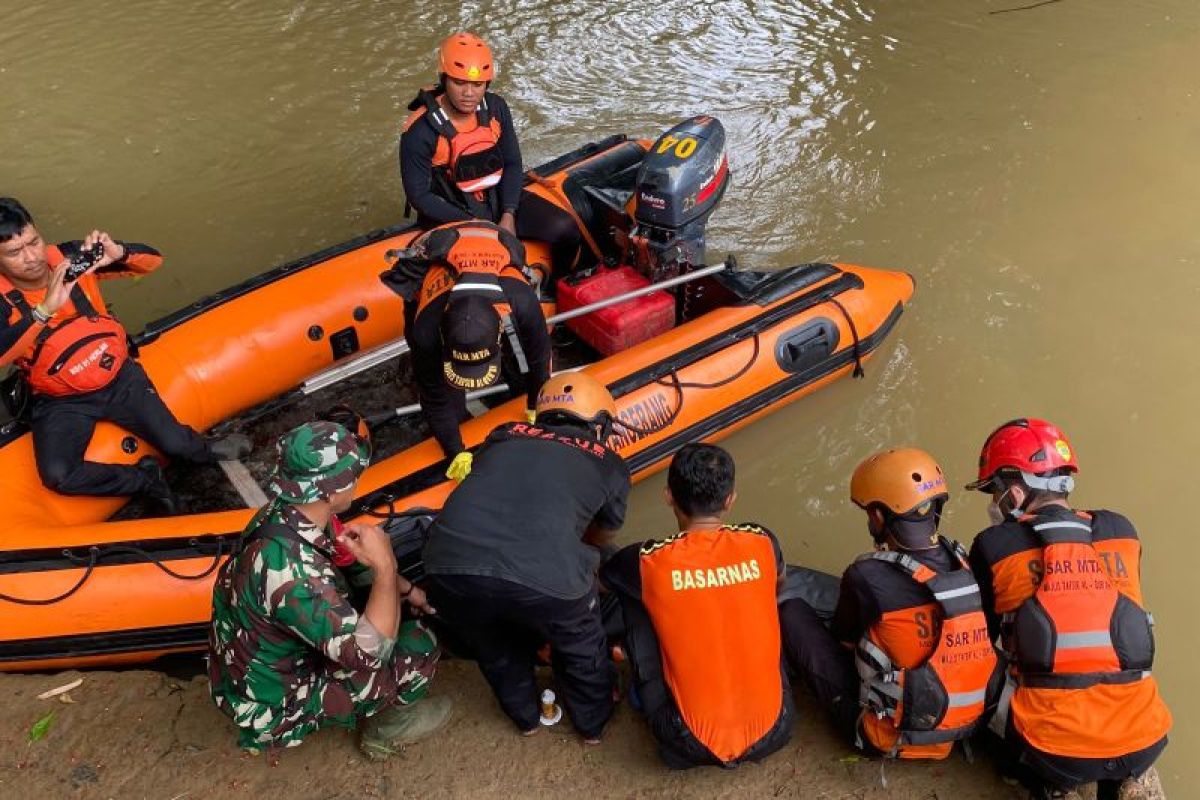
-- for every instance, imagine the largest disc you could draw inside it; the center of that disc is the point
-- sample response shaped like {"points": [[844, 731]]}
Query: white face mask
{"points": [[995, 514]]}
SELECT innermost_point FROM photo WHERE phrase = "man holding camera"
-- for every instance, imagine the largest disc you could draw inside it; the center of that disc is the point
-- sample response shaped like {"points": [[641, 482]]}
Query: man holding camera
{"points": [[75, 359]]}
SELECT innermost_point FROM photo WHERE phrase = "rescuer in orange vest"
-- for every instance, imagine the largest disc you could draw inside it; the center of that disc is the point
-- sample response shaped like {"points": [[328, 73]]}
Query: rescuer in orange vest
{"points": [[923, 667], [702, 625], [74, 360], [471, 318], [460, 160], [1062, 590]]}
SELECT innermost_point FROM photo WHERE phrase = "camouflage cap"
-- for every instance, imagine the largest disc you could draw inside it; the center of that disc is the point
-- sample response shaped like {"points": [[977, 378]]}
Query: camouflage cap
{"points": [[317, 460]]}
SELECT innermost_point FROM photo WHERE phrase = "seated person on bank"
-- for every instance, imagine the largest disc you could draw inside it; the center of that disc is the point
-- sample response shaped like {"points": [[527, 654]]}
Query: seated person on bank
{"points": [[75, 359], [471, 317], [288, 653], [908, 667], [460, 160], [701, 623]]}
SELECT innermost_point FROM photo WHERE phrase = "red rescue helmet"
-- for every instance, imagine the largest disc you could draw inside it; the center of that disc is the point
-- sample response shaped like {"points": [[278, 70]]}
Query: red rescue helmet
{"points": [[466, 57], [1035, 448]]}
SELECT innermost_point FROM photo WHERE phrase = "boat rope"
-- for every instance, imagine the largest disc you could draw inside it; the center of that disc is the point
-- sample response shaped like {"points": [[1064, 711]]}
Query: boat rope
{"points": [[95, 553], [858, 368], [671, 380]]}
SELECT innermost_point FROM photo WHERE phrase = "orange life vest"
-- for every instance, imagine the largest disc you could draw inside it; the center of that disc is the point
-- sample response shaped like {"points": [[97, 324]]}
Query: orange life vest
{"points": [[81, 353], [1082, 647], [469, 163], [711, 598], [923, 693]]}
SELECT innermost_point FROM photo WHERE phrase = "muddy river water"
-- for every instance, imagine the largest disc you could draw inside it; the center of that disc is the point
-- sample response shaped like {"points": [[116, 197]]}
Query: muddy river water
{"points": [[1034, 168]]}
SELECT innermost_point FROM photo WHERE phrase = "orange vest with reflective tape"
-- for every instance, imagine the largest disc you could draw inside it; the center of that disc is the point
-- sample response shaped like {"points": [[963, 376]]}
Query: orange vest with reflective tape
{"points": [[1082, 649], [469, 257], [711, 598], [926, 669], [470, 160]]}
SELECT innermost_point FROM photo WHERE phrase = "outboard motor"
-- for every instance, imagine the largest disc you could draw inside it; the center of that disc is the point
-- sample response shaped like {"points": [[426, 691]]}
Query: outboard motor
{"points": [[678, 187]]}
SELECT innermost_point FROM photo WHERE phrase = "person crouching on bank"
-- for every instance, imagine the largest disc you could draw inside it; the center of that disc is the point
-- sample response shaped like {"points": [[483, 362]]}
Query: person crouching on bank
{"points": [[511, 560], [907, 668], [701, 623], [288, 653], [76, 361]]}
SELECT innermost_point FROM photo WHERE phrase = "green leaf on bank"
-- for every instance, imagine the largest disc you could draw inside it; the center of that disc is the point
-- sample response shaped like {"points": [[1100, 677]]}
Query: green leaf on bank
{"points": [[41, 728], [851, 759]]}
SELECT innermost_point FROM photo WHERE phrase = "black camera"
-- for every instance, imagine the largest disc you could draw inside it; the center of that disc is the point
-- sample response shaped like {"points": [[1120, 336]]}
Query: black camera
{"points": [[83, 262]]}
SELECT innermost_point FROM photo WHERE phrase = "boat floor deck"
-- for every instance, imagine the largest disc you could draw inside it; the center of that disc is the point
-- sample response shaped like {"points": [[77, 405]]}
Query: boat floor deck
{"points": [[204, 488]]}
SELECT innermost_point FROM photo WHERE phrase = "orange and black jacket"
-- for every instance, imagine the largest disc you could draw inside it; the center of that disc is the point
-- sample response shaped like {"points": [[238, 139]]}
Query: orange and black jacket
{"points": [[710, 596], [1085, 716], [898, 613], [424, 155], [443, 404], [18, 331]]}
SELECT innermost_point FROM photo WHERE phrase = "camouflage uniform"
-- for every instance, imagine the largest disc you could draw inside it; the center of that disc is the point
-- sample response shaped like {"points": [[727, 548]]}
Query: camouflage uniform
{"points": [[287, 652]]}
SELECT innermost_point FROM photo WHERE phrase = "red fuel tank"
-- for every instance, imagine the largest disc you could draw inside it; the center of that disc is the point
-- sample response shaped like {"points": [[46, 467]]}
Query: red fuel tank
{"points": [[621, 326]]}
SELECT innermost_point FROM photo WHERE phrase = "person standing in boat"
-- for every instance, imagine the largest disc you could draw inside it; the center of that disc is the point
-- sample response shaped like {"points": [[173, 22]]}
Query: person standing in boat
{"points": [[75, 360], [906, 668], [511, 560], [473, 318], [1062, 591], [701, 623], [460, 160], [288, 653]]}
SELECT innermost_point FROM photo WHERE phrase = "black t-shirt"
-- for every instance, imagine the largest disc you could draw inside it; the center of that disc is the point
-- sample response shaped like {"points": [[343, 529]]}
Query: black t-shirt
{"points": [[520, 515], [872, 588]]}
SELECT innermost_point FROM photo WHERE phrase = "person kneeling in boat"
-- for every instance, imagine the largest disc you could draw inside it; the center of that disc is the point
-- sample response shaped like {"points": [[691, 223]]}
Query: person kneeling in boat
{"points": [[511, 560], [75, 359], [908, 667], [288, 653], [460, 160], [1062, 590], [701, 623], [473, 317]]}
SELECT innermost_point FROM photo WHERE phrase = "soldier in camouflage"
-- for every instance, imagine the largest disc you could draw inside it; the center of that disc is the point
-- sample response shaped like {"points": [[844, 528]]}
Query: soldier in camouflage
{"points": [[288, 654]]}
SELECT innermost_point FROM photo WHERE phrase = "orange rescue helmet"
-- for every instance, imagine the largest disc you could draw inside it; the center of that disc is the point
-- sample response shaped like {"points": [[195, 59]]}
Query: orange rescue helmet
{"points": [[578, 395], [466, 57], [902, 480], [1033, 447]]}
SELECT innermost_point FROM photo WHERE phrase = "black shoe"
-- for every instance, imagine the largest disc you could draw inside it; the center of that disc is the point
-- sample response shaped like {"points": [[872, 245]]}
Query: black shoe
{"points": [[233, 447], [158, 489]]}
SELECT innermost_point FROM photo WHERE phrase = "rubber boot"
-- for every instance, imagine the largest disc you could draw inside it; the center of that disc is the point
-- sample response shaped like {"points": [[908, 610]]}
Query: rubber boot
{"points": [[158, 490], [1146, 786], [395, 726], [233, 447]]}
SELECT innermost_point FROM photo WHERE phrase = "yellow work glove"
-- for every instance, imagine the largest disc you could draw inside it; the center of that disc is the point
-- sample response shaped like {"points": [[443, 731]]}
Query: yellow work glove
{"points": [[531, 415], [460, 467]]}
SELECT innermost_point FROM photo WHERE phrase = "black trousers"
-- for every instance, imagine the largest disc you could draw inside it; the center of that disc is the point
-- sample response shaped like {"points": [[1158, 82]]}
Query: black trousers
{"points": [[677, 746], [538, 218], [815, 657], [502, 624], [542, 220], [63, 426], [1043, 772]]}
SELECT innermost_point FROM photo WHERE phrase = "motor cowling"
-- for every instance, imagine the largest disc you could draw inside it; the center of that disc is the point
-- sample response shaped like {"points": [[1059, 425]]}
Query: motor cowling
{"points": [[679, 185]]}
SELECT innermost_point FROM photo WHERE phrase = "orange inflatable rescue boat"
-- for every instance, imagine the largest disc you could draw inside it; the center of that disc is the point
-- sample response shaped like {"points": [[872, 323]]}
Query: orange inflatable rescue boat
{"points": [[89, 581]]}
